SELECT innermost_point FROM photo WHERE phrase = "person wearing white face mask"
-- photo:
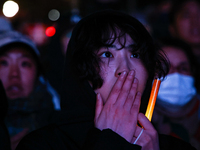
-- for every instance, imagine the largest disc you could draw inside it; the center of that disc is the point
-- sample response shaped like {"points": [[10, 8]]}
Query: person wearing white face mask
{"points": [[176, 91], [178, 106]]}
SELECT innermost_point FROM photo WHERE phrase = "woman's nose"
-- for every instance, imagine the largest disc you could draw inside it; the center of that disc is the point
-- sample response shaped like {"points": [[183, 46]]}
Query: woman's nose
{"points": [[14, 72], [122, 67]]}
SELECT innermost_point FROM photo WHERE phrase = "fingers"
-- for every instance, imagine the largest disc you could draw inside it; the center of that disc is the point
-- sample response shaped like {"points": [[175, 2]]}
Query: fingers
{"points": [[99, 106], [117, 88], [120, 111], [138, 136], [137, 132], [126, 89], [136, 104], [150, 134], [132, 95], [149, 137], [144, 122]]}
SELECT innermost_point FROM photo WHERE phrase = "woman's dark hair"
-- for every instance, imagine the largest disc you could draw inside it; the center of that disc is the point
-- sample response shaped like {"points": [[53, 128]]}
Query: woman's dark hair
{"points": [[29, 49], [177, 5], [102, 29], [180, 44]]}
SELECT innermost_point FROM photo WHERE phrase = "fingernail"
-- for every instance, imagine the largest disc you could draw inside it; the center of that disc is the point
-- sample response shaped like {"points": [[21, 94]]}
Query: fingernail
{"points": [[123, 74], [135, 80], [131, 73]]}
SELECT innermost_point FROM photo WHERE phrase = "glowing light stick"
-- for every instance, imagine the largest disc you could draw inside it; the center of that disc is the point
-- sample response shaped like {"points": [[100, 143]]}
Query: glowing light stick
{"points": [[152, 99]]}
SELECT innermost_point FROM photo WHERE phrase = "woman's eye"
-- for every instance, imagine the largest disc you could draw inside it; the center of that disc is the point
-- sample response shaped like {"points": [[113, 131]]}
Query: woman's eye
{"points": [[106, 54], [135, 55], [26, 64], [184, 69], [3, 63]]}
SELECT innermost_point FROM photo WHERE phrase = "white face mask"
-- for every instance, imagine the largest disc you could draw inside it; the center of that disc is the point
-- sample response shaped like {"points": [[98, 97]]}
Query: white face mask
{"points": [[176, 90]]}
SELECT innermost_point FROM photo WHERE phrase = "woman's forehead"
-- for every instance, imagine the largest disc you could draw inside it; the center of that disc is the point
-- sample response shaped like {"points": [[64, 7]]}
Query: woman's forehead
{"points": [[18, 53]]}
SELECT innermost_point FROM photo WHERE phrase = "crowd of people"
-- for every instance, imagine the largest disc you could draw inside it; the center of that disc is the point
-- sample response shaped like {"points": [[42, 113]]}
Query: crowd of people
{"points": [[96, 93]]}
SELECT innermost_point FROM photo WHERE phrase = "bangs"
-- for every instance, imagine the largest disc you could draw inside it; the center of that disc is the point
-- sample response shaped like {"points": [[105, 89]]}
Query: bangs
{"points": [[110, 32]]}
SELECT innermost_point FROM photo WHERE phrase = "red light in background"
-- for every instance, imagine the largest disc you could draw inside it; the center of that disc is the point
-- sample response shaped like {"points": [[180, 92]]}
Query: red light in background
{"points": [[50, 31]]}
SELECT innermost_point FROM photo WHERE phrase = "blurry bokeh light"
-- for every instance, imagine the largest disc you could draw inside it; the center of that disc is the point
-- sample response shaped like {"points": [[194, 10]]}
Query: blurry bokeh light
{"points": [[50, 31], [36, 31], [54, 15], [10, 8]]}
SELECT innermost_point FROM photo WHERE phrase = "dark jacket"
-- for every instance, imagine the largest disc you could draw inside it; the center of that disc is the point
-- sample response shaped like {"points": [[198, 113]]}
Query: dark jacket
{"points": [[4, 136], [79, 133]]}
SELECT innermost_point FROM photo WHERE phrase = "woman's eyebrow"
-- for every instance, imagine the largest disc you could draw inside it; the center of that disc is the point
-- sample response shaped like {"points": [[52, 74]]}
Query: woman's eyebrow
{"points": [[131, 45]]}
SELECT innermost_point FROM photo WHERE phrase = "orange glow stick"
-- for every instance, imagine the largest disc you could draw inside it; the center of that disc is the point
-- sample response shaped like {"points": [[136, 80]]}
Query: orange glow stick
{"points": [[152, 99]]}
